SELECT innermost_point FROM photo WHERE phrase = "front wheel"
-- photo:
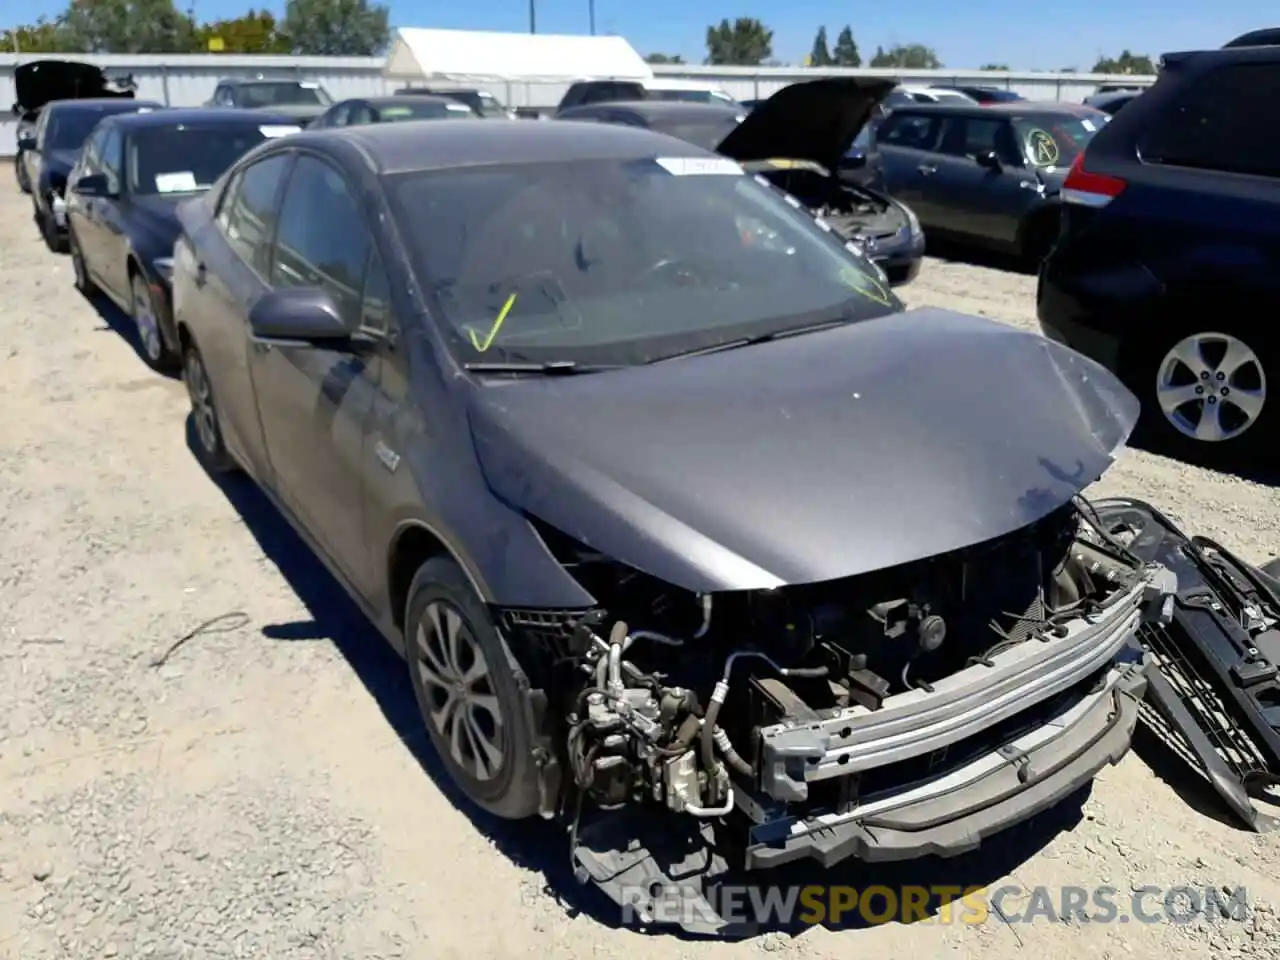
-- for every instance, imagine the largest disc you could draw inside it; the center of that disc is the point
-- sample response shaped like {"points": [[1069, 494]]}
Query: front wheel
{"points": [[146, 319], [210, 447], [1206, 394], [465, 680]]}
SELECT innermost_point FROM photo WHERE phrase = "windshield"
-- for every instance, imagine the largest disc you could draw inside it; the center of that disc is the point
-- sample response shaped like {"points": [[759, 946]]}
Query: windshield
{"points": [[621, 261], [69, 129], [706, 133], [1055, 140], [693, 96], [491, 106], [280, 94], [425, 110], [186, 158]]}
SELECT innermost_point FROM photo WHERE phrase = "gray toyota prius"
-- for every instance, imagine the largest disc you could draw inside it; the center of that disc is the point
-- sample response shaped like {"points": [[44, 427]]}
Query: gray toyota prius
{"points": [[683, 524]]}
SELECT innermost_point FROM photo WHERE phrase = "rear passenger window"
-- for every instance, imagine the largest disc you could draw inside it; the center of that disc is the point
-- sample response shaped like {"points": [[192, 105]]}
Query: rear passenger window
{"points": [[322, 241], [908, 130], [1223, 123], [248, 210]]}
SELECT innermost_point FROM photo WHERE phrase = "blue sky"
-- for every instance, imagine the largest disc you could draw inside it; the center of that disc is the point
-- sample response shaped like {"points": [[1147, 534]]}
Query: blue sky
{"points": [[1023, 33]]}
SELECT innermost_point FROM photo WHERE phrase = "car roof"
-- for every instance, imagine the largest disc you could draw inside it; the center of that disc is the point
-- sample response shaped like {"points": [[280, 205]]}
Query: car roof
{"points": [[394, 148], [408, 100], [204, 116], [99, 104], [237, 81], [659, 109], [1013, 108]]}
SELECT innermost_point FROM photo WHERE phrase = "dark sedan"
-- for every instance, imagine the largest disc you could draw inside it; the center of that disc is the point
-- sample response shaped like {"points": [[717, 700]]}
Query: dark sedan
{"points": [[803, 140], [354, 113], [52, 149], [667, 502], [989, 175], [133, 173]]}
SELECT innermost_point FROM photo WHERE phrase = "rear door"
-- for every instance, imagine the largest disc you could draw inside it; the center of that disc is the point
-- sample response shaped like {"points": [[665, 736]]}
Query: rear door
{"points": [[974, 201], [906, 140]]}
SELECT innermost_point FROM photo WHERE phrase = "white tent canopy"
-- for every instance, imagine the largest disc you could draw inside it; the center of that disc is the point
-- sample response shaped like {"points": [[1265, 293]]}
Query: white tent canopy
{"points": [[474, 55]]}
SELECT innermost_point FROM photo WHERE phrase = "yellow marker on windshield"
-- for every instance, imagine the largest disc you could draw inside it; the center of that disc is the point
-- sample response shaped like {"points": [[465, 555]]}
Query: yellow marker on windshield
{"points": [[483, 345]]}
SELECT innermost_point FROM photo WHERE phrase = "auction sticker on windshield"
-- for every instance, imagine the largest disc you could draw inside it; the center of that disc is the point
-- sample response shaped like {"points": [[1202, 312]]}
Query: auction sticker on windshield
{"points": [[183, 182], [700, 166], [271, 131]]}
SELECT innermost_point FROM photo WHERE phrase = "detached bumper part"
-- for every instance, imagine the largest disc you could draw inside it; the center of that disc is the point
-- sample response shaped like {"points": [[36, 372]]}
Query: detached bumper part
{"points": [[951, 815]]}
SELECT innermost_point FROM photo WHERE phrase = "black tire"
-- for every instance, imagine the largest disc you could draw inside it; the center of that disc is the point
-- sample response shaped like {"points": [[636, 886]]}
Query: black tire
{"points": [[20, 172], [84, 283], [1144, 366], [49, 231], [510, 788], [206, 422], [151, 343]]}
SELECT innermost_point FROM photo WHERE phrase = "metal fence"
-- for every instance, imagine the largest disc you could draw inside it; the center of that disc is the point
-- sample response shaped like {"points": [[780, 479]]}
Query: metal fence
{"points": [[189, 80]]}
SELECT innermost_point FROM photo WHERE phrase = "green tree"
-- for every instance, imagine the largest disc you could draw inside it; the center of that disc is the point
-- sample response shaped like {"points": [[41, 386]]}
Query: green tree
{"points": [[344, 28], [995, 66], [663, 58], [126, 26], [910, 56], [846, 50], [820, 56], [43, 36], [1128, 62], [254, 32], [745, 42]]}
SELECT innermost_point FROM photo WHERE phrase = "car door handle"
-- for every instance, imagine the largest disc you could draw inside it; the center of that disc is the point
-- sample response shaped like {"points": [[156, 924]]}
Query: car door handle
{"points": [[927, 168], [202, 274]]}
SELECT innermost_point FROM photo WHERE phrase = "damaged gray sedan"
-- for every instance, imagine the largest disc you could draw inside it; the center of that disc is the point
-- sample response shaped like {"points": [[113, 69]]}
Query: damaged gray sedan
{"points": [[691, 535]]}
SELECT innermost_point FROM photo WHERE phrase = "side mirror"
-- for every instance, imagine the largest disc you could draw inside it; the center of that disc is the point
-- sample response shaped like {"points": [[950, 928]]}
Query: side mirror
{"points": [[301, 315], [26, 141], [92, 185], [989, 159], [853, 161]]}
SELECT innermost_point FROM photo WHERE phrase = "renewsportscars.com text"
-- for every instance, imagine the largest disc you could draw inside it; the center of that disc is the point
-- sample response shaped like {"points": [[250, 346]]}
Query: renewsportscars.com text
{"points": [[935, 904]]}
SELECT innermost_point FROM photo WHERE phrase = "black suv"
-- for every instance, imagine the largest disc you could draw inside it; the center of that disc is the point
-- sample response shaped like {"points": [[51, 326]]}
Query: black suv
{"points": [[1166, 268]]}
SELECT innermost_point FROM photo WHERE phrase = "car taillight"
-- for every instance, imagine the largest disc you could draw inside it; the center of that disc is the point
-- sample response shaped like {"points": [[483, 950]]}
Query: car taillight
{"points": [[1090, 189]]}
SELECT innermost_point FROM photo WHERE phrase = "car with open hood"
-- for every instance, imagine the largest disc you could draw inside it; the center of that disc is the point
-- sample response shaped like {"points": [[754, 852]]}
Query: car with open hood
{"points": [[122, 205], [52, 150], [38, 82], [684, 525], [803, 140]]}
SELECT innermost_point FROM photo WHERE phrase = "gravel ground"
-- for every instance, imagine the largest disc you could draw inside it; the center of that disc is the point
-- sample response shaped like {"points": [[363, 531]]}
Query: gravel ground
{"points": [[264, 792]]}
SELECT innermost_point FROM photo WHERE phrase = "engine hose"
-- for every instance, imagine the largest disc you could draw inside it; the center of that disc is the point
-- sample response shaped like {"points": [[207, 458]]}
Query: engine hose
{"points": [[708, 734], [731, 756]]}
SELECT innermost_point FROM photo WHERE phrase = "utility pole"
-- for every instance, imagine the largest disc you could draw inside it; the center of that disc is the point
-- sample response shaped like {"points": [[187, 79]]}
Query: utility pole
{"points": [[591, 14], [533, 16]]}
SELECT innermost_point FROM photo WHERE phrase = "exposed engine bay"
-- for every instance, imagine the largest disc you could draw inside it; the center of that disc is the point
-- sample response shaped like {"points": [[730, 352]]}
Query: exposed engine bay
{"points": [[849, 210], [768, 707]]}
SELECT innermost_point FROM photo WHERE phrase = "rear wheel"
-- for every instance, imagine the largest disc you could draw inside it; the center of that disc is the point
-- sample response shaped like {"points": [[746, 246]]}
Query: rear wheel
{"points": [[53, 239], [1206, 393], [464, 677]]}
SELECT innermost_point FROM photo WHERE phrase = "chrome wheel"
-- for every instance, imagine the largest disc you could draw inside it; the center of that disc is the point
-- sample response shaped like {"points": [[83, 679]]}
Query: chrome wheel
{"points": [[462, 704], [198, 388], [1211, 387], [144, 319]]}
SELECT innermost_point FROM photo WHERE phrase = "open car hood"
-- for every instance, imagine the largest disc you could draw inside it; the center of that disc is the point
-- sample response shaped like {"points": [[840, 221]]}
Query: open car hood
{"points": [[817, 120], [43, 81], [811, 458]]}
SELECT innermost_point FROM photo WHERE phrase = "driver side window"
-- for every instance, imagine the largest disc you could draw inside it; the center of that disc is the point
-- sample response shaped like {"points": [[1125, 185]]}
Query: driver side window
{"points": [[110, 159]]}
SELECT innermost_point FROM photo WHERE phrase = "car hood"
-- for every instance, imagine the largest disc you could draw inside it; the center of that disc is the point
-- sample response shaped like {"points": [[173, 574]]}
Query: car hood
{"points": [[810, 458], [817, 120], [43, 81]]}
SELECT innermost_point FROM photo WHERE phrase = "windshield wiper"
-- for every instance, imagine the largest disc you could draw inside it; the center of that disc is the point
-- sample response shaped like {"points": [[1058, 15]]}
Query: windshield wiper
{"points": [[553, 368], [759, 338]]}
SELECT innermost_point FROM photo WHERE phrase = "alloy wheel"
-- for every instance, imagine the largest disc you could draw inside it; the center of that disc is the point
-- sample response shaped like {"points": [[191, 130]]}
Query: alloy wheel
{"points": [[1211, 387], [462, 702], [201, 393], [144, 319]]}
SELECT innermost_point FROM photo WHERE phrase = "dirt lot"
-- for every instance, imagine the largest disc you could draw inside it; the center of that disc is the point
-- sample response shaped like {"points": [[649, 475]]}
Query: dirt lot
{"points": [[265, 791]]}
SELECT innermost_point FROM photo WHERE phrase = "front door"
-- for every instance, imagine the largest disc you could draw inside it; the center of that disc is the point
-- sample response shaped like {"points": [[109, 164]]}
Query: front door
{"points": [[111, 243], [314, 403], [968, 199]]}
